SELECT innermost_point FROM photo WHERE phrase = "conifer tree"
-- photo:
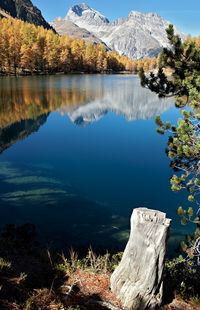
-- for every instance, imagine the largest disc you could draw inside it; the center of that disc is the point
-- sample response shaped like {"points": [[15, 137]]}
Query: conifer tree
{"points": [[184, 142]]}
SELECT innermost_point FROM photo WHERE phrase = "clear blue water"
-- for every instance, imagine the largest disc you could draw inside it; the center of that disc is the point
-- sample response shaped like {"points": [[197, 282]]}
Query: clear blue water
{"points": [[78, 153]]}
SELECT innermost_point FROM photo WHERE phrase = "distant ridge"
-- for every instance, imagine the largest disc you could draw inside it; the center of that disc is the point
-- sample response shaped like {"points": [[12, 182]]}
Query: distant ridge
{"points": [[64, 26], [24, 10], [139, 35]]}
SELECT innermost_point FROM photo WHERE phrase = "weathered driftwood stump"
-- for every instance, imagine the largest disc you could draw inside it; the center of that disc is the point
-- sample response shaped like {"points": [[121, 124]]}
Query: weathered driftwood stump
{"points": [[137, 280]]}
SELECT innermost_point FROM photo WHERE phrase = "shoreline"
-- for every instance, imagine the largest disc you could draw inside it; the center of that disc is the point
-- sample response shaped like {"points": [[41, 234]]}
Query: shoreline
{"points": [[69, 73]]}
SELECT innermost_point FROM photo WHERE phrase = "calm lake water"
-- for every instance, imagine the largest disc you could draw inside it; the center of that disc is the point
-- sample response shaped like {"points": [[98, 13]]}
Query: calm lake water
{"points": [[78, 153]]}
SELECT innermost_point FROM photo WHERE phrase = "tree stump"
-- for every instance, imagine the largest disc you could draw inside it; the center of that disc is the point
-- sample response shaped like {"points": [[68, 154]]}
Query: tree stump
{"points": [[137, 281]]}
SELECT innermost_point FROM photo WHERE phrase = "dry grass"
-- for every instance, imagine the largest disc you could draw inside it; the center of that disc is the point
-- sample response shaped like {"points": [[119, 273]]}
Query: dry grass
{"points": [[88, 288]]}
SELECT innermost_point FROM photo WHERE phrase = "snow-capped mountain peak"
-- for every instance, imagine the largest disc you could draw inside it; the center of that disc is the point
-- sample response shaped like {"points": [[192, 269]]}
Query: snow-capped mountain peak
{"points": [[139, 35], [86, 14]]}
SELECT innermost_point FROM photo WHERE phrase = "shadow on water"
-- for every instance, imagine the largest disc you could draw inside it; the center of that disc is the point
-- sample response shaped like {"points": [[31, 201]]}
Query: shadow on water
{"points": [[62, 218]]}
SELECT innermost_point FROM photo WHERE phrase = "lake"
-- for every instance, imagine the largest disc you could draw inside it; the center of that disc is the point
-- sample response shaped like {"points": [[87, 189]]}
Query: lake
{"points": [[78, 153]]}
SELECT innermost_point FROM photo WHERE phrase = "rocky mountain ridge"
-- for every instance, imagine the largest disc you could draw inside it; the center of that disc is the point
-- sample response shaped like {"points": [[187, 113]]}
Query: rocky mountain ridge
{"points": [[86, 13], [64, 26], [138, 35], [24, 10]]}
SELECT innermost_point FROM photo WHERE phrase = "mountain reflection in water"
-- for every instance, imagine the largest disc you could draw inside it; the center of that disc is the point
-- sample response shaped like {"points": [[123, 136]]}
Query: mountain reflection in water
{"points": [[84, 100], [19, 130], [81, 97]]}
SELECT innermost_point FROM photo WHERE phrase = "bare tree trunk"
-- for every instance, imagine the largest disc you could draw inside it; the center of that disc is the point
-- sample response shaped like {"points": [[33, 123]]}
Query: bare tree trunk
{"points": [[137, 280]]}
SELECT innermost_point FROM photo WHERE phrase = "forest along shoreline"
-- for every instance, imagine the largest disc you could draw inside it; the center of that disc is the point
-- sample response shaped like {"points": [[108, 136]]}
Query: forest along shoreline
{"points": [[3, 74], [29, 49]]}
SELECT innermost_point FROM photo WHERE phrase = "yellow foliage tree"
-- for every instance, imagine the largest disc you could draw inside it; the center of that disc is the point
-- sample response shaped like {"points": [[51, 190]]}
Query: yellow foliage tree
{"points": [[27, 48]]}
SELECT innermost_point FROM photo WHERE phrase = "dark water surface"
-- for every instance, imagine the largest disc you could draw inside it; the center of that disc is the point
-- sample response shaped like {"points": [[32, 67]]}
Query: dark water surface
{"points": [[78, 153]]}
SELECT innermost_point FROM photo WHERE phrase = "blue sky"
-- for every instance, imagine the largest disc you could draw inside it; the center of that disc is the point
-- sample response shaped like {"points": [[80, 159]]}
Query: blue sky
{"points": [[184, 14]]}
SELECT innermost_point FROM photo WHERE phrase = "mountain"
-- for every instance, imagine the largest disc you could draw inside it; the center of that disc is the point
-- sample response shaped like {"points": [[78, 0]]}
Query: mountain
{"points": [[64, 26], [24, 10], [85, 14], [137, 36]]}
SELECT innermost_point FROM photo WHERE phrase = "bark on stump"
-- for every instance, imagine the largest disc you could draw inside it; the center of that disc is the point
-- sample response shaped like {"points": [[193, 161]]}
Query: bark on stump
{"points": [[137, 280]]}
